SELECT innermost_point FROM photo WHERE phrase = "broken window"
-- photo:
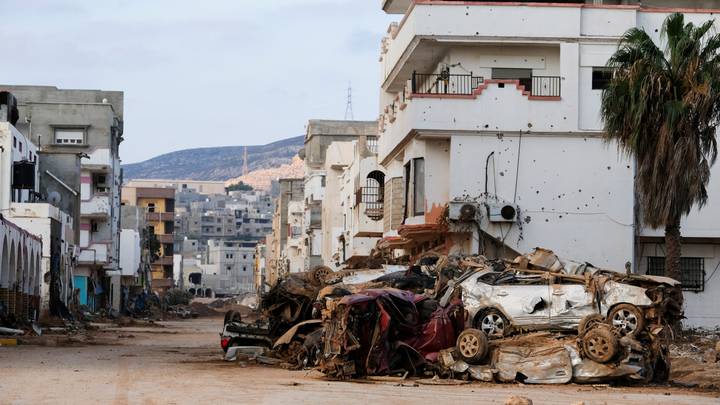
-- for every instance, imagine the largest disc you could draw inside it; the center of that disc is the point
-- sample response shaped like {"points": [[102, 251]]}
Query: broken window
{"points": [[692, 271], [601, 77]]}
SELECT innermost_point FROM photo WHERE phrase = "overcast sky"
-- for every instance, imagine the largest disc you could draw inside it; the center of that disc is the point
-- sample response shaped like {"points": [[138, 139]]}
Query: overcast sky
{"points": [[202, 73]]}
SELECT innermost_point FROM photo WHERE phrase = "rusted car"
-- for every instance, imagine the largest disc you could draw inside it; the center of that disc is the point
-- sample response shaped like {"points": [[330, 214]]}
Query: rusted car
{"points": [[500, 302]]}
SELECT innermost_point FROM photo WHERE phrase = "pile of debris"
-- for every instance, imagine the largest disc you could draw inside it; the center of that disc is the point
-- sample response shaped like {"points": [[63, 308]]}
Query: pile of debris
{"points": [[537, 319]]}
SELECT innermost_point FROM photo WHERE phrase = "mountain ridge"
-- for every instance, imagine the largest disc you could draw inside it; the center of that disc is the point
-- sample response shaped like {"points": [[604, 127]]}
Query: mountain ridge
{"points": [[219, 163]]}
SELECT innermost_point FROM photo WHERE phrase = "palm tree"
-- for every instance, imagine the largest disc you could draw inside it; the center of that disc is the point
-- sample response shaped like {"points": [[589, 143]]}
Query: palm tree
{"points": [[663, 108]]}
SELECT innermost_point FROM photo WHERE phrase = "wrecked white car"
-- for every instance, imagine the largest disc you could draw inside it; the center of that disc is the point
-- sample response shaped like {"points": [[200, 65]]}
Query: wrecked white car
{"points": [[500, 302]]}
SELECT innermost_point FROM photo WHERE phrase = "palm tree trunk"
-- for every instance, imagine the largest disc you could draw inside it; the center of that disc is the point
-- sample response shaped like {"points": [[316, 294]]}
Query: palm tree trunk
{"points": [[673, 250]]}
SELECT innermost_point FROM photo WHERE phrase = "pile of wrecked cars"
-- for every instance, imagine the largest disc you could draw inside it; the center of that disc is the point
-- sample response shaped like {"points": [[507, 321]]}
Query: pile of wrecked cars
{"points": [[536, 319]]}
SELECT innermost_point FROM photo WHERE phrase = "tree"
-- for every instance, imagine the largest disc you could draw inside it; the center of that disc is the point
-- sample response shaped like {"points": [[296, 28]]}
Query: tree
{"points": [[662, 108]]}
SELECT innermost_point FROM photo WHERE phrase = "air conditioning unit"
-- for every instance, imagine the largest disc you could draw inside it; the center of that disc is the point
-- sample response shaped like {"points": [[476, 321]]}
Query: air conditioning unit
{"points": [[464, 211], [502, 212]]}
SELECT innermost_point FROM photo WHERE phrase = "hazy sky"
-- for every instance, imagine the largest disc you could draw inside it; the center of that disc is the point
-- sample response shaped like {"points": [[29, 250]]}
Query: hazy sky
{"points": [[202, 73]]}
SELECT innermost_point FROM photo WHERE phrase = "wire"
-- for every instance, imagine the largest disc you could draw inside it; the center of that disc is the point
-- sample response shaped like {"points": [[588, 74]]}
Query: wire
{"points": [[517, 168]]}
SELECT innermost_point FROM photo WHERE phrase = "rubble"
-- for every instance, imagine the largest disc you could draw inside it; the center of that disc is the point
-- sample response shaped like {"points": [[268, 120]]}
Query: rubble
{"points": [[537, 319]]}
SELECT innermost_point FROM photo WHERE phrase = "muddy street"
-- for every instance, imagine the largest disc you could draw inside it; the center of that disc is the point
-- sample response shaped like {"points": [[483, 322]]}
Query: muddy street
{"points": [[180, 362]]}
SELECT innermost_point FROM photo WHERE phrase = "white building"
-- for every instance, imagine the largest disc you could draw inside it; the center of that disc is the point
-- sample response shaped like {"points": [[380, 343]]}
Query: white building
{"points": [[497, 105], [54, 261], [361, 194]]}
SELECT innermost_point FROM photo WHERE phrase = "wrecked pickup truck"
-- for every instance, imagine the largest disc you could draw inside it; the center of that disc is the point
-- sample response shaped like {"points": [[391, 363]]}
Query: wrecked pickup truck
{"points": [[519, 298]]}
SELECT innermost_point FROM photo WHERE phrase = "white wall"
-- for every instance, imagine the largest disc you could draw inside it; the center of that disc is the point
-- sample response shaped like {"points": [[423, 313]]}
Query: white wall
{"points": [[129, 252]]}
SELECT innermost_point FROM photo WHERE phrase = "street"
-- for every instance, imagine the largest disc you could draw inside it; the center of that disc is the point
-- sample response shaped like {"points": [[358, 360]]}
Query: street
{"points": [[180, 362]]}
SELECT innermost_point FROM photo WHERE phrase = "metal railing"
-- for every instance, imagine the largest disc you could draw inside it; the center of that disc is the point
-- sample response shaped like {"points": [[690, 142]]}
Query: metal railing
{"points": [[543, 86], [445, 83]]}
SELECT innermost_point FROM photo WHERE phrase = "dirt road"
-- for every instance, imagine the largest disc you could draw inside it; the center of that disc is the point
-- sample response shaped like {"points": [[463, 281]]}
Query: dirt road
{"points": [[180, 364]]}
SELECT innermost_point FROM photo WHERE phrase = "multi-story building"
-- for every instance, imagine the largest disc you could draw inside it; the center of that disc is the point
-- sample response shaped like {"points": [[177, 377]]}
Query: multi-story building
{"points": [[494, 109], [229, 268], [88, 123], [286, 237], [320, 135], [361, 195], [32, 233], [158, 204]]}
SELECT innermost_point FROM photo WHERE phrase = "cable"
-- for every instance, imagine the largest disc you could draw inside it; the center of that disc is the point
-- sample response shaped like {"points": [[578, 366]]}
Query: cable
{"points": [[517, 168]]}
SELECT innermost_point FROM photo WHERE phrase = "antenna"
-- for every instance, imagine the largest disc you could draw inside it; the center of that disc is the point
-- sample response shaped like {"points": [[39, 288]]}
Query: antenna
{"points": [[245, 163], [348, 107]]}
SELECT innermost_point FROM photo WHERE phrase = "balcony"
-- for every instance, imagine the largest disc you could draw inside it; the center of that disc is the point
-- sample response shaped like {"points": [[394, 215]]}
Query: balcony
{"points": [[428, 29], [96, 206], [96, 253], [468, 105], [159, 216], [165, 238], [163, 261], [445, 84]]}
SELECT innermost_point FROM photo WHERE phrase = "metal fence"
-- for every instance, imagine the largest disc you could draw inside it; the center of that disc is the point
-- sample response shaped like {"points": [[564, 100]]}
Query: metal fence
{"points": [[445, 83]]}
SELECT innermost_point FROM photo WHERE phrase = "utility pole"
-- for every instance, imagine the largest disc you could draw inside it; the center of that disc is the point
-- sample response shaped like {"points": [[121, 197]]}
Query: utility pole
{"points": [[348, 106]]}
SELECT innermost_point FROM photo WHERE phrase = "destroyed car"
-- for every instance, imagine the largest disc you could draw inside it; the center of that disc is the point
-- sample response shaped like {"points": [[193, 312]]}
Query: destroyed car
{"points": [[501, 302], [383, 331]]}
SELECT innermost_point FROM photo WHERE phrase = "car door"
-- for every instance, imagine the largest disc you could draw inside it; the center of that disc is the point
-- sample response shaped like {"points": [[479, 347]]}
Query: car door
{"points": [[524, 299], [571, 302]]}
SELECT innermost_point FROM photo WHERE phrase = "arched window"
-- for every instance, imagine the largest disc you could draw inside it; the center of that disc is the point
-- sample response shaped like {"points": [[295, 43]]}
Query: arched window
{"points": [[373, 194]]}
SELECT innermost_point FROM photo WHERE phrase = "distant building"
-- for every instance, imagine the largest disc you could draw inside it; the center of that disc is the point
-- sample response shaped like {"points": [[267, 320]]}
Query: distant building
{"points": [[158, 204], [199, 186]]}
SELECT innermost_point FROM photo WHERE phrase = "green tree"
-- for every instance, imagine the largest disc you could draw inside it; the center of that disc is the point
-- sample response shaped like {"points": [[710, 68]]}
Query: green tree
{"points": [[662, 108]]}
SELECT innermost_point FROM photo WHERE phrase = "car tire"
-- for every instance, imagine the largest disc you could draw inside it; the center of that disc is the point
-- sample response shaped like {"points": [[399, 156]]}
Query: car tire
{"points": [[319, 275], [588, 322], [472, 344], [627, 319], [493, 323], [600, 344], [232, 316]]}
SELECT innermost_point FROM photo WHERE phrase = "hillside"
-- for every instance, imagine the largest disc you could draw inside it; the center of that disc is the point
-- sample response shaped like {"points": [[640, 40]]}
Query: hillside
{"points": [[218, 163], [262, 179]]}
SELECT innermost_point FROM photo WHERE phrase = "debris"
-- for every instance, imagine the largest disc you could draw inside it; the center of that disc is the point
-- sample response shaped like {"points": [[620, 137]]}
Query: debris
{"points": [[518, 400], [11, 331]]}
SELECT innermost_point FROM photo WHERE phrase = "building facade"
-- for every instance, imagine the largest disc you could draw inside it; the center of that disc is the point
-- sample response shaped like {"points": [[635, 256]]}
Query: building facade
{"points": [[158, 206], [89, 124], [495, 107]]}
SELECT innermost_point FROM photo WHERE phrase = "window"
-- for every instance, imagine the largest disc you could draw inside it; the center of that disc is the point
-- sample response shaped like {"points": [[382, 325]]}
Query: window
{"points": [[692, 271], [419, 186], [70, 136], [601, 78]]}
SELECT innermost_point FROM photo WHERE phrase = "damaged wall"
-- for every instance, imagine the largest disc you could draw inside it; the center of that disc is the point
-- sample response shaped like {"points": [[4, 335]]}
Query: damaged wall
{"points": [[570, 191]]}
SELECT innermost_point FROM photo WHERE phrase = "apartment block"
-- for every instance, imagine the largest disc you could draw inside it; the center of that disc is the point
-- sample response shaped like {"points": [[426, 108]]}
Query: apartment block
{"points": [[492, 109], [88, 124]]}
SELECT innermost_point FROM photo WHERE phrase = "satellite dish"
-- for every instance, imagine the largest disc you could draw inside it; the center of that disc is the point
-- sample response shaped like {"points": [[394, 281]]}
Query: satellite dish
{"points": [[54, 198]]}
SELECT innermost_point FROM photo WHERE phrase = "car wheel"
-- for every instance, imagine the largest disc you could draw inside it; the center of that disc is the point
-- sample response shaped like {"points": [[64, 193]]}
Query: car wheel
{"points": [[493, 323], [627, 319], [320, 275], [232, 316], [472, 345], [600, 344], [588, 322]]}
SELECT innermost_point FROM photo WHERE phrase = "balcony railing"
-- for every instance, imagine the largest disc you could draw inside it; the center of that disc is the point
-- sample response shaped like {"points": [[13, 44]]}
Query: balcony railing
{"points": [[444, 83], [542, 86]]}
